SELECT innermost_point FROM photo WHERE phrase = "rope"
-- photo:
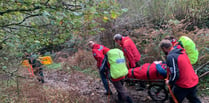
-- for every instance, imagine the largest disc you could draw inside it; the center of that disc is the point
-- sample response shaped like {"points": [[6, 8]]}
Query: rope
{"points": [[30, 70], [170, 91]]}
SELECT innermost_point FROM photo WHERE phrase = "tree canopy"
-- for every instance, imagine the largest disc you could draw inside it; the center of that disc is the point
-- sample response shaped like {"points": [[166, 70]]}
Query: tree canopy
{"points": [[34, 24]]}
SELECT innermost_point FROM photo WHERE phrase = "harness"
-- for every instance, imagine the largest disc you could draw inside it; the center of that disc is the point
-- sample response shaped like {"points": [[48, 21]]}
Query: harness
{"points": [[148, 77], [132, 71]]}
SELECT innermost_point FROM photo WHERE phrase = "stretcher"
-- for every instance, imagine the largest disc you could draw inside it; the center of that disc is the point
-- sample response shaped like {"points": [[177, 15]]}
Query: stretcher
{"points": [[149, 75]]}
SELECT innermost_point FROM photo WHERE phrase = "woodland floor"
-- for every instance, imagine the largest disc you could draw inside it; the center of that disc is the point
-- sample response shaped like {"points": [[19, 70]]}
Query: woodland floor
{"points": [[75, 87]]}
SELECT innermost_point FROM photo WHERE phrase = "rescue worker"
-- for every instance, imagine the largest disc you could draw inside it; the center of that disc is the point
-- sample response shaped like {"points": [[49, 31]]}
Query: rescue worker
{"points": [[129, 49], [115, 61], [188, 45], [131, 53], [36, 65], [174, 42], [99, 52], [183, 78]]}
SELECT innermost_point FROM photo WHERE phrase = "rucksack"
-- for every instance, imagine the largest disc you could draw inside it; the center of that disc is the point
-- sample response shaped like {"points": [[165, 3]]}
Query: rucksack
{"points": [[190, 48], [117, 63]]}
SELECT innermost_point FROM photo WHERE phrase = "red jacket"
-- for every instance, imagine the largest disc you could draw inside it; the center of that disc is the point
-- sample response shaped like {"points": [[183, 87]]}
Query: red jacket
{"points": [[182, 73], [99, 51], [130, 51]]}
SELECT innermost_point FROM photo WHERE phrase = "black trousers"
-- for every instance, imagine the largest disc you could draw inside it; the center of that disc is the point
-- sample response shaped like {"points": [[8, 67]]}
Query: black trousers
{"points": [[123, 95], [189, 93]]}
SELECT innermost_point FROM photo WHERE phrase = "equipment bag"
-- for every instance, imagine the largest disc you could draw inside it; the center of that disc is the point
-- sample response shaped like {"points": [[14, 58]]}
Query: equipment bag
{"points": [[190, 48], [117, 63], [46, 60]]}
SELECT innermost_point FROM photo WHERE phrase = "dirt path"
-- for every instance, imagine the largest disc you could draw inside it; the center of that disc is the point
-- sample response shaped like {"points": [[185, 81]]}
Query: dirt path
{"points": [[84, 85], [90, 88]]}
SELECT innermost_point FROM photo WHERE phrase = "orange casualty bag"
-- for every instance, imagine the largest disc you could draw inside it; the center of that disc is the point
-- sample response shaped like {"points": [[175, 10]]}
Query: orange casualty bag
{"points": [[46, 60], [27, 64]]}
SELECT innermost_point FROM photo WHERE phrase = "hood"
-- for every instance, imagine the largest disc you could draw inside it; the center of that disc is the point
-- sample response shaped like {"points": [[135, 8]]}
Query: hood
{"points": [[176, 51], [124, 39], [96, 46]]}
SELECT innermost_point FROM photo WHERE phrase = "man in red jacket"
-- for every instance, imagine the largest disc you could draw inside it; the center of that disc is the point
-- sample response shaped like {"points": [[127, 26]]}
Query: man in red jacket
{"points": [[129, 48], [131, 53], [123, 95], [99, 52], [182, 75]]}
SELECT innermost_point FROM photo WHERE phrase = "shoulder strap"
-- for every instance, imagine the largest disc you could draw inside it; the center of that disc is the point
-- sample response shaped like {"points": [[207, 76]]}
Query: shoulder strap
{"points": [[148, 72], [132, 72], [104, 64]]}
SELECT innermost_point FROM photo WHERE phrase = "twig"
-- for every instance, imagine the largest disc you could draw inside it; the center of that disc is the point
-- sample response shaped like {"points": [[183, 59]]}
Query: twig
{"points": [[46, 2], [27, 17], [19, 76], [20, 10], [5, 71], [9, 29], [6, 38], [70, 6], [18, 86], [204, 74], [202, 66]]}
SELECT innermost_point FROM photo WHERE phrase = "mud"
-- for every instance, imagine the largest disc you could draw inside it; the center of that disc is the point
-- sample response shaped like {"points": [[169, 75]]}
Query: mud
{"points": [[84, 86], [79, 82], [92, 87]]}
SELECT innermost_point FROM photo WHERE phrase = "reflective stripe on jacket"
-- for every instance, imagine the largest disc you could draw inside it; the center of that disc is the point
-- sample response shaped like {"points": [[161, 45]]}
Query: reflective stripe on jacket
{"points": [[182, 73], [98, 52]]}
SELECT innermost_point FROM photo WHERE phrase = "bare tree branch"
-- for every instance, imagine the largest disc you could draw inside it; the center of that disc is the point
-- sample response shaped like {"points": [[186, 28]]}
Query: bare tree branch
{"points": [[71, 7], [7, 72], [46, 2], [27, 17], [202, 66], [20, 10], [6, 38], [204, 74], [10, 28]]}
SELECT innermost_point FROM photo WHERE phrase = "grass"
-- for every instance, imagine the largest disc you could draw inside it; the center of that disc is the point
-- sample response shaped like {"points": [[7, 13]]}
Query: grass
{"points": [[88, 71], [160, 11], [6, 96], [204, 86], [54, 66]]}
